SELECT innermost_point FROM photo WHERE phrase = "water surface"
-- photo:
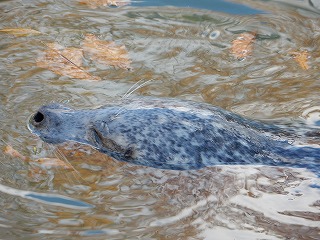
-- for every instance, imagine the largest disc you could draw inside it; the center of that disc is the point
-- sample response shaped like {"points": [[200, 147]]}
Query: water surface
{"points": [[185, 49]]}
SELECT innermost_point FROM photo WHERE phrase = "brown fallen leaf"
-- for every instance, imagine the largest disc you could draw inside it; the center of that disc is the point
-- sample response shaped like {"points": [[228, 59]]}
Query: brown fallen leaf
{"points": [[242, 46], [301, 57], [106, 52], [64, 61], [37, 173], [20, 32], [104, 3], [45, 162], [10, 151]]}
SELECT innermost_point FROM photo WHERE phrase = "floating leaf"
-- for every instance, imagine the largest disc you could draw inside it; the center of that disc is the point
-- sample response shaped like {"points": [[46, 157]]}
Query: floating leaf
{"points": [[8, 150], [106, 52], [301, 58], [53, 162], [20, 32], [242, 46], [64, 61], [104, 3]]}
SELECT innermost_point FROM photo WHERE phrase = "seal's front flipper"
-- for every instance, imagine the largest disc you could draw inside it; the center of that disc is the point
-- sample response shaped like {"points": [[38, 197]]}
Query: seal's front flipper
{"points": [[106, 144]]}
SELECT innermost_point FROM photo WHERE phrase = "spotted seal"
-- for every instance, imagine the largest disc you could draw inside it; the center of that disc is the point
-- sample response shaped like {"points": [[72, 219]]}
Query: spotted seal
{"points": [[170, 134]]}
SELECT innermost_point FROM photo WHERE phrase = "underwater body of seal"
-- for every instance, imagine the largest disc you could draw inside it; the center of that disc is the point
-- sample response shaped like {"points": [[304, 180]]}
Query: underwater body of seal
{"points": [[171, 134]]}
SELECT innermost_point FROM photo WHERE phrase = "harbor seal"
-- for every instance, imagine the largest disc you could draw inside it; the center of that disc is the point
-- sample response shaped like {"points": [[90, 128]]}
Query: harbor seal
{"points": [[170, 134]]}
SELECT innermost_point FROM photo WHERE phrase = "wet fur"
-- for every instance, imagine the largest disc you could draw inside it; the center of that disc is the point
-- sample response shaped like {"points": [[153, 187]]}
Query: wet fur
{"points": [[171, 134]]}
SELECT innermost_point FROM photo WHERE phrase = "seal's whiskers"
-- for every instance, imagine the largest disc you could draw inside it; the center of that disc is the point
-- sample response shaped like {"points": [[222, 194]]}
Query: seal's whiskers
{"points": [[121, 110], [135, 87], [130, 91]]}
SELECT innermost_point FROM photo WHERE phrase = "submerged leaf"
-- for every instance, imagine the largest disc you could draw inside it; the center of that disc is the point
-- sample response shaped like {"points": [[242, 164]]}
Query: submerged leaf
{"points": [[20, 32], [106, 52], [104, 3], [64, 61], [9, 150], [242, 46], [301, 58], [53, 162], [44, 162]]}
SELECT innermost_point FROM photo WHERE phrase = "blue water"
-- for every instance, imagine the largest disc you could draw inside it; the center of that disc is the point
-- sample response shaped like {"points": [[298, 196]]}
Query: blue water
{"points": [[214, 5], [59, 200]]}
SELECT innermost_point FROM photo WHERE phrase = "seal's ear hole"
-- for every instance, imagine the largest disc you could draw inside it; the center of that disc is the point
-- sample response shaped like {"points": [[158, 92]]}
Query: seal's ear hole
{"points": [[38, 117]]}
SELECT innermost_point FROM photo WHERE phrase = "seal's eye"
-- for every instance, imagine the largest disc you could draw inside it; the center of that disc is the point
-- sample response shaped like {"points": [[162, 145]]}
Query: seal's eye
{"points": [[38, 117]]}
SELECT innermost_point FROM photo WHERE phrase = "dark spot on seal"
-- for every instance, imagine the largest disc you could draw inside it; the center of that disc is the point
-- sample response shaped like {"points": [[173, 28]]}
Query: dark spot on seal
{"points": [[128, 153]]}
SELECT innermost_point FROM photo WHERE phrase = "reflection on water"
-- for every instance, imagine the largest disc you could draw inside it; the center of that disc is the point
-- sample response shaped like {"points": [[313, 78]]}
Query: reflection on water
{"points": [[186, 53], [46, 198], [217, 5]]}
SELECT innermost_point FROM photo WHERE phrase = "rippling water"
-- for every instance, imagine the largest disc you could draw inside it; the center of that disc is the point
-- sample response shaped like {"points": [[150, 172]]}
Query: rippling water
{"points": [[186, 52]]}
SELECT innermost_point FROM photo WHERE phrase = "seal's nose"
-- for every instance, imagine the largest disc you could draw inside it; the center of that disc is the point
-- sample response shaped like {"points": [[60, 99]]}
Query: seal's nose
{"points": [[38, 119]]}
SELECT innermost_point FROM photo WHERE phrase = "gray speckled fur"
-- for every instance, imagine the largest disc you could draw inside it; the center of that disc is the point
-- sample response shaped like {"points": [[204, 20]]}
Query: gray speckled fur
{"points": [[170, 134]]}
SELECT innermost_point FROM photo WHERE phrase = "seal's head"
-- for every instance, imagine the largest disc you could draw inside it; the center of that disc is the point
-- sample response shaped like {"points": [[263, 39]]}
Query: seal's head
{"points": [[49, 122]]}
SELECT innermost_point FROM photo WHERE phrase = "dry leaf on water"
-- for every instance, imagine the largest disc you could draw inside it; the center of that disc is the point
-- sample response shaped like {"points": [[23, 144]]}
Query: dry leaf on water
{"points": [[20, 32], [106, 52], [301, 58], [242, 46], [64, 61], [104, 3]]}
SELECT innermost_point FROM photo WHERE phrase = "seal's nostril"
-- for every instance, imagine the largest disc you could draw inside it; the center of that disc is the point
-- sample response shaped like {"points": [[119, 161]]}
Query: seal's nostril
{"points": [[38, 117]]}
